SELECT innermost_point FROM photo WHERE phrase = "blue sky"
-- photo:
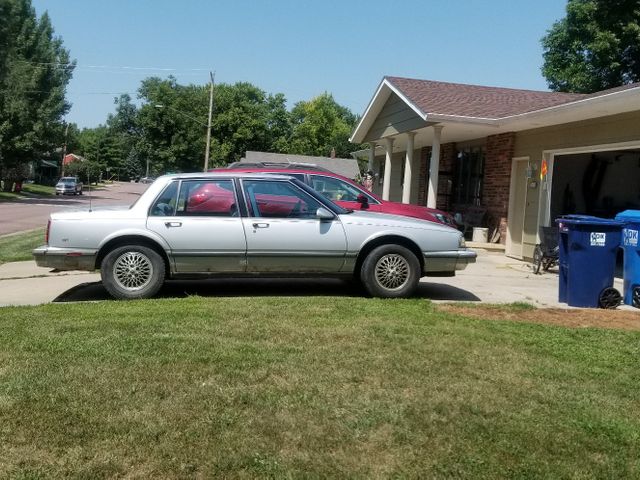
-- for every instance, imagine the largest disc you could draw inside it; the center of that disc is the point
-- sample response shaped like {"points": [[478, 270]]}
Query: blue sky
{"points": [[299, 48]]}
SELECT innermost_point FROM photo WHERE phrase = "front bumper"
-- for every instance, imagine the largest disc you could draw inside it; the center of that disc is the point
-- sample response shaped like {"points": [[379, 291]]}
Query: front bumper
{"points": [[65, 258], [448, 261]]}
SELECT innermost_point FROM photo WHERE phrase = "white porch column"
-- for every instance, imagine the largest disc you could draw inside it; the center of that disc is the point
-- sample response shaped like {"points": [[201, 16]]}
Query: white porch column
{"points": [[408, 161], [386, 186], [372, 156], [434, 166]]}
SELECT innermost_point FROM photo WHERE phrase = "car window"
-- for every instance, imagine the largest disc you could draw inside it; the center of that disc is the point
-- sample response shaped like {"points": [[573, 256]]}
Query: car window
{"points": [[335, 189], [207, 198], [165, 205], [299, 176], [279, 199]]}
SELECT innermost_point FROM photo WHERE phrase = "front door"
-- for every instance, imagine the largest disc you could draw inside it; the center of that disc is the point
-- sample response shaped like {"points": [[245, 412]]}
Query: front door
{"points": [[284, 234], [200, 222]]}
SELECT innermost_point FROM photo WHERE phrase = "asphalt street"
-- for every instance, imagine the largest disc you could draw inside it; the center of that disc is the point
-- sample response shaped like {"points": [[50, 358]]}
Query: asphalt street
{"points": [[30, 213]]}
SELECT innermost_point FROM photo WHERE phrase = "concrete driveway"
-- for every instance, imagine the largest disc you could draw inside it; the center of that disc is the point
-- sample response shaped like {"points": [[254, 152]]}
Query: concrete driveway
{"points": [[494, 278]]}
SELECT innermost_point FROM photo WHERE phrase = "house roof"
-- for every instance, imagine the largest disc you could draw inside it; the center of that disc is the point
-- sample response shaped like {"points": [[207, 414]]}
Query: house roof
{"points": [[507, 108], [71, 157], [475, 100]]}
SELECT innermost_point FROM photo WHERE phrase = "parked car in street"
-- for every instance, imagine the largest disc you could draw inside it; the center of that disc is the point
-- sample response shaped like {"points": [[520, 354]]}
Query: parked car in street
{"points": [[345, 192], [247, 224], [69, 186]]}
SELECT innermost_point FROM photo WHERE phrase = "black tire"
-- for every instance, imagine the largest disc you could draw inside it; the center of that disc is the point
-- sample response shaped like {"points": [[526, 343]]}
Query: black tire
{"points": [[132, 271], [609, 298], [537, 259], [635, 297], [80, 192], [390, 271]]}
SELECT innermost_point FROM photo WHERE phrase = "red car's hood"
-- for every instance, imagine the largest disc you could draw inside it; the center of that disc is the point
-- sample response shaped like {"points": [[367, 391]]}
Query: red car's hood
{"points": [[418, 211]]}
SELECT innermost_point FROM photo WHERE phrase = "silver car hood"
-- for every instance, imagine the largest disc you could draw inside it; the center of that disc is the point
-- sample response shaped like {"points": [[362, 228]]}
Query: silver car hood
{"points": [[359, 217]]}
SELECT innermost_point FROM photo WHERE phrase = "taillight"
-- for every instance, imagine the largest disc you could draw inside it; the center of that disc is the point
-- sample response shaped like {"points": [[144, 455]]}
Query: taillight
{"points": [[46, 234]]}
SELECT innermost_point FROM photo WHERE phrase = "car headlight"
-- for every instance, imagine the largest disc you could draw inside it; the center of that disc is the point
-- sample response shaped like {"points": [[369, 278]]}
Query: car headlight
{"points": [[461, 242]]}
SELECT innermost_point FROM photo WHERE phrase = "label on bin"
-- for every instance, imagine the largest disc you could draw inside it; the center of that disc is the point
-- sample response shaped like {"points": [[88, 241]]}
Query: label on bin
{"points": [[629, 237], [598, 239]]}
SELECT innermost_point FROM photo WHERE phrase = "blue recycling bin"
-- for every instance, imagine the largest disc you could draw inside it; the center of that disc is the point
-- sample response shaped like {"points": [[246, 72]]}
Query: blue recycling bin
{"points": [[631, 268], [587, 261]]}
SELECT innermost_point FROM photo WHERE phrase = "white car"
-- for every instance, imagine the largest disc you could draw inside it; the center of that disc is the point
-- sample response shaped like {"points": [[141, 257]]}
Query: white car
{"points": [[247, 224], [69, 186]]}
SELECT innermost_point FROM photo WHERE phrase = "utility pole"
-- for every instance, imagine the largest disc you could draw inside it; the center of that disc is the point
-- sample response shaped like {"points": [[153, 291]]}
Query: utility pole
{"points": [[64, 148], [206, 153]]}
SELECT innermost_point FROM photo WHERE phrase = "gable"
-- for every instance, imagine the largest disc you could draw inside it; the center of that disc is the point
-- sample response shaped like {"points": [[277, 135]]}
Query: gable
{"points": [[394, 117]]}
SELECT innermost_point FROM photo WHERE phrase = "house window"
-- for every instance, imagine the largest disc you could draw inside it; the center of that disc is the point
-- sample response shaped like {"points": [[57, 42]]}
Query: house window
{"points": [[469, 176]]}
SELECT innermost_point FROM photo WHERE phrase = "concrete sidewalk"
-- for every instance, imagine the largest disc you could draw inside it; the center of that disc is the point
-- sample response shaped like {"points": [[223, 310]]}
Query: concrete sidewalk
{"points": [[24, 283], [494, 278]]}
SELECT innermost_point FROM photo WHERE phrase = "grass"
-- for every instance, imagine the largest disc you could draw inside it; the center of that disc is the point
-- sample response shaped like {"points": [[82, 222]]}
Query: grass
{"points": [[310, 387], [29, 188], [15, 248]]}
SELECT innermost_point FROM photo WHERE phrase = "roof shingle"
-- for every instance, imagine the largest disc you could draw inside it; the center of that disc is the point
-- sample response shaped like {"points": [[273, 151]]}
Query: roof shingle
{"points": [[477, 101]]}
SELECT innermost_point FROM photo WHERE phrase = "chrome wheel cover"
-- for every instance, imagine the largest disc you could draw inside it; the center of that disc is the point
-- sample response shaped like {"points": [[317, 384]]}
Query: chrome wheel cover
{"points": [[132, 271], [392, 271]]}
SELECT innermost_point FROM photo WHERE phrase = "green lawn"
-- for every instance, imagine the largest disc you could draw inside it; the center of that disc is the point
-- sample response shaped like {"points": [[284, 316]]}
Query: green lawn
{"points": [[29, 188], [14, 248], [311, 387]]}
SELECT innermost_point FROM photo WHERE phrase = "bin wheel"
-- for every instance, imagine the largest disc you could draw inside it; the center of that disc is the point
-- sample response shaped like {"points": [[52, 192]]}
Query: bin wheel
{"points": [[635, 297], [537, 259], [609, 298]]}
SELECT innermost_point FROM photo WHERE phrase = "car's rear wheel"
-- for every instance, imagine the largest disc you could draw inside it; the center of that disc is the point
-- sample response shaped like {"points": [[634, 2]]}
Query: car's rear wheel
{"points": [[132, 271], [390, 271]]}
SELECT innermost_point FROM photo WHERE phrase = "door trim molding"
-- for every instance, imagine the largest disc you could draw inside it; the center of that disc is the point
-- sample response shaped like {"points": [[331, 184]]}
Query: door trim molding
{"points": [[512, 202]]}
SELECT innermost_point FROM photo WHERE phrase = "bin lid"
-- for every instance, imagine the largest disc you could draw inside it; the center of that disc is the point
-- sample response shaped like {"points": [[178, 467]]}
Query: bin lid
{"points": [[588, 220], [629, 216]]}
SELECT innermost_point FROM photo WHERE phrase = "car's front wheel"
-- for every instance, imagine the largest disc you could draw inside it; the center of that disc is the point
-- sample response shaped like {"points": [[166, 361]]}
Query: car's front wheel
{"points": [[132, 271], [390, 271]]}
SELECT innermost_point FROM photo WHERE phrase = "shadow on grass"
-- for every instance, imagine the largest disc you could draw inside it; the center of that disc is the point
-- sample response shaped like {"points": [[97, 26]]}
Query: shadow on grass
{"points": [[266, 287]]}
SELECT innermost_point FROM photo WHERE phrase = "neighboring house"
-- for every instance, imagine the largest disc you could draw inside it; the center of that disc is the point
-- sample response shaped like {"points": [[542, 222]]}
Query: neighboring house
{"points": [[347, 167], [525, 157], [46, 172], [71, 157]]}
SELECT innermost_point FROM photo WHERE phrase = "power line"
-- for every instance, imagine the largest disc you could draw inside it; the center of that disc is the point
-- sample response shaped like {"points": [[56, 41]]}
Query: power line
{"points": [[116, 67]]}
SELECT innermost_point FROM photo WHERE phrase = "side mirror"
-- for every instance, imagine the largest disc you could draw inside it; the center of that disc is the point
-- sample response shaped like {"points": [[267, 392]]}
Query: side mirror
{"points": [[324, 214], [363, 201]]}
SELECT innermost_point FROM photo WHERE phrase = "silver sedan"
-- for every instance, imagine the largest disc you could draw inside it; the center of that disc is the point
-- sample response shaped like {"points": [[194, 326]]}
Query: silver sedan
{"points": [[241, 224]]}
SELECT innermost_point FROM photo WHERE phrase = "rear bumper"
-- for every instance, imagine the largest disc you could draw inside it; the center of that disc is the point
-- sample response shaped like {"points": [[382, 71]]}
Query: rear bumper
{"points": [[65, 258], [448, 261]]}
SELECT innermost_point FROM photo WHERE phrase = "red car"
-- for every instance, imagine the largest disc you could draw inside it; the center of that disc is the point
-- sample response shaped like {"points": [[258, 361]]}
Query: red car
{"points": [[345, 192]]}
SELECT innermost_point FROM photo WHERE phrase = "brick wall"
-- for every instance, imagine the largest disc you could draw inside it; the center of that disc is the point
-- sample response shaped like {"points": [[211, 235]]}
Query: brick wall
{"points": [[447, 165], [497, 178]]}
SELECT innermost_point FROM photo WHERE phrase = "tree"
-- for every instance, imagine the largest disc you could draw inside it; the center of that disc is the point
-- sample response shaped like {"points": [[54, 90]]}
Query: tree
{"points": [[172, 123], [595, 47], [321, 125], [34, 71]]}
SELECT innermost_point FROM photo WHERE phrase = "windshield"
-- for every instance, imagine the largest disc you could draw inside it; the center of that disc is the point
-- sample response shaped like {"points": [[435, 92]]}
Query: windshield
{"points": [[334, 207], [67, 180], [336, 189]]}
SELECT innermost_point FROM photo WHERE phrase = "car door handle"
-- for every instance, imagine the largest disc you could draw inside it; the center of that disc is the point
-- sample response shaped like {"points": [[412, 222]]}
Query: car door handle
{"points": [[172, 224], [260, 225]]}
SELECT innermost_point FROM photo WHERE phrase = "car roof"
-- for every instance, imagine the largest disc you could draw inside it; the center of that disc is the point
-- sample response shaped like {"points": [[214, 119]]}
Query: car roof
{"points": [[227, 174], [283, 171], [278, 166]]}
